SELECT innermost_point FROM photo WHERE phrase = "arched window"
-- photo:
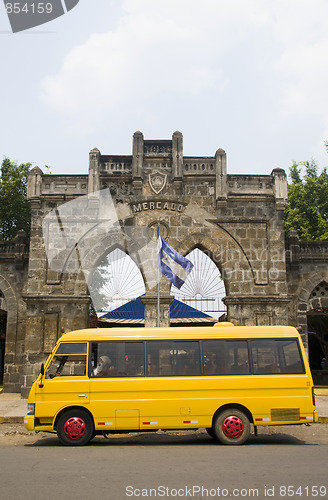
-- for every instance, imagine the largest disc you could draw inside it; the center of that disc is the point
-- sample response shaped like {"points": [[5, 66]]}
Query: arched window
{"points": [[116, 281], [320, 290], [204, 287]]}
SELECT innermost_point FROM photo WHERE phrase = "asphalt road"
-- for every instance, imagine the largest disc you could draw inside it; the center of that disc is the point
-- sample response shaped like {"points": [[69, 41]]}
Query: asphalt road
{"points": [[165, 465]]}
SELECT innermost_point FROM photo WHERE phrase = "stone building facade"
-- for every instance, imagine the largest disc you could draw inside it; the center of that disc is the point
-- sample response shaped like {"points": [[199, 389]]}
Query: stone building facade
{"points": [[237, 220]]}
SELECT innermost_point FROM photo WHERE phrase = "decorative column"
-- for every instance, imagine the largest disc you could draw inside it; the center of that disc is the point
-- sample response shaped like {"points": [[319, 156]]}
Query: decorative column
{"points": [[34, 184], [177, 161], [137, 161], [280, 188], [94, 178], [221, 178]]}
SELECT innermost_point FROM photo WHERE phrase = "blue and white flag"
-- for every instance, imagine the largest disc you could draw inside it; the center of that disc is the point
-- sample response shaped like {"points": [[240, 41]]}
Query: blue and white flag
{"points": [[171, 264]]}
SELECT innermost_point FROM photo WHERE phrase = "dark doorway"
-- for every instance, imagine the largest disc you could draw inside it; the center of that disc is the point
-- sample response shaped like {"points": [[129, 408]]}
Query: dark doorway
{"points": [[3, 324], [318, 346]]}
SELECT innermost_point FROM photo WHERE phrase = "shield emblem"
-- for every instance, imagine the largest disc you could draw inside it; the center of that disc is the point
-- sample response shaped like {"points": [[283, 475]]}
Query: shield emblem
{"points": [[157, 181]]}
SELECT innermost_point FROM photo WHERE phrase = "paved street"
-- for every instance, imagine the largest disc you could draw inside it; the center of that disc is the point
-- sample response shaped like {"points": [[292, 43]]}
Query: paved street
{"points": [[172, 464]]}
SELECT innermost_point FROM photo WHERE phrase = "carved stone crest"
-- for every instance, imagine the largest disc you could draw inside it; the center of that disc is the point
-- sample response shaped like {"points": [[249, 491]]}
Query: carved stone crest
{"points": [[157, 181]]}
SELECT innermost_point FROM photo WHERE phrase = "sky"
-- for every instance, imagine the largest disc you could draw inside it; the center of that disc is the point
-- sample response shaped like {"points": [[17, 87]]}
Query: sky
{"points": [[250, 77]]}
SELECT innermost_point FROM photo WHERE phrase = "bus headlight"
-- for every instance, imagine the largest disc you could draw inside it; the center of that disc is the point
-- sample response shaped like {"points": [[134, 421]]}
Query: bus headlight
{"points": [[31, 408]]}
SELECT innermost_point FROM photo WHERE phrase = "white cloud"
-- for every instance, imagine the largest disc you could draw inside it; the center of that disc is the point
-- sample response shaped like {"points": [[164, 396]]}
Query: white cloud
{"points": [[160, 48], [302, 69], [226, 65]]}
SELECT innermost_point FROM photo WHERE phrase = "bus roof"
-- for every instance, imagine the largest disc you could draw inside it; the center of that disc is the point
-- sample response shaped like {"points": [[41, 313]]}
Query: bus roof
{"points": [[179, 333]]}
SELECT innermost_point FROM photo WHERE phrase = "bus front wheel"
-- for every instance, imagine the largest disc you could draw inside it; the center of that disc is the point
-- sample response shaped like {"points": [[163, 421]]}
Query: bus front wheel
{"points": [[232, 426], [75, 428]]}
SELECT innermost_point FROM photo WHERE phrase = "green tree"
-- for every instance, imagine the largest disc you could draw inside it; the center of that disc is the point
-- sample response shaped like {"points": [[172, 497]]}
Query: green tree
{"points": [[100, 277], [15, 213], [307, 208]]}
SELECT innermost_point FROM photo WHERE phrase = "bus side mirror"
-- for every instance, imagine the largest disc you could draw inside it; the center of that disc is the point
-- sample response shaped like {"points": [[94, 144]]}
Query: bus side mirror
{"points": [[42, 373]]}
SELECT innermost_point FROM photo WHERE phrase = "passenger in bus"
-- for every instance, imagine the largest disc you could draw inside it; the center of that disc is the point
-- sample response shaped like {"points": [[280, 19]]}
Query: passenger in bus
{"points": [[209, 363], [213, 367], [104, 367]]}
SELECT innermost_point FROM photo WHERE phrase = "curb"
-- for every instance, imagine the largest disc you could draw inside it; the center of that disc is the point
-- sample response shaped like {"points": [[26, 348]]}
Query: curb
{"points": [[11, 420], [321, 392]]}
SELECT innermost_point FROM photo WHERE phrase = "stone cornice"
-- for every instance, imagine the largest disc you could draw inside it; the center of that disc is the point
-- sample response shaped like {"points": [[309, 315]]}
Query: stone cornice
{"points": [[82, 299]]}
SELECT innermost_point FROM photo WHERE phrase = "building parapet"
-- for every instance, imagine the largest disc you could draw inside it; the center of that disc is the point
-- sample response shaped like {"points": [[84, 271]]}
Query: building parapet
{"points": [[298, 251]]}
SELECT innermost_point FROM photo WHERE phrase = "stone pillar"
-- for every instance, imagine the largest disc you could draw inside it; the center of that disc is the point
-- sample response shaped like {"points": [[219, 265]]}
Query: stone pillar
{"points": [[221, 178], [150, 302], [94, 179], [94, 171], [34, 183], [280, 188], [137, 161], [257, 310], [177, 155], [177, 161]]}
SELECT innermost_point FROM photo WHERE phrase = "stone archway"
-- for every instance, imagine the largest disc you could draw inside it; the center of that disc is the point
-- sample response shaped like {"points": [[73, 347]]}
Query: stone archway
{"points": [[306, 303], [11, 327], [317, 326]]}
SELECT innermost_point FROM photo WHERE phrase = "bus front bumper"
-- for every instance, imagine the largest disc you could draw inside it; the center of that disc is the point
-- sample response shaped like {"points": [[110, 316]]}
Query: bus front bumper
{"points": [[29, 422]]}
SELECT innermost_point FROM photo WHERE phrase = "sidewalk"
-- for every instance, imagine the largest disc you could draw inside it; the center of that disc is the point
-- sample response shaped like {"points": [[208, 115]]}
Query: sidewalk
{"points": [[13, 408]]}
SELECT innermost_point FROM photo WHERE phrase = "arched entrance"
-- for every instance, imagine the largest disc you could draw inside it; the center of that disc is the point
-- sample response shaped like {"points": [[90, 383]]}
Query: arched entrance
{"points": [[116, 281], [3, 327], [8, 329], [317, 321], [204, 287]]}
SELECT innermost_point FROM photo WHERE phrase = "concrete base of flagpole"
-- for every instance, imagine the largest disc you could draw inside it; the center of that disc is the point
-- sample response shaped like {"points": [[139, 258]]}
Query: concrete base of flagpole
{"points": [[150, 303]]}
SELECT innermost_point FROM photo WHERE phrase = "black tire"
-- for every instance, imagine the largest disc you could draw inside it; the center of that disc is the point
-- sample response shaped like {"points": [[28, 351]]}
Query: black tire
{"points": [[75, 428], [232, 427], [210, 432]]}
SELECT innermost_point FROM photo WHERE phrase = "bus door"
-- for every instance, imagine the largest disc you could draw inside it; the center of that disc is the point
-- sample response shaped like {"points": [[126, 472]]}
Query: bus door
{"points": [[65, 382]]}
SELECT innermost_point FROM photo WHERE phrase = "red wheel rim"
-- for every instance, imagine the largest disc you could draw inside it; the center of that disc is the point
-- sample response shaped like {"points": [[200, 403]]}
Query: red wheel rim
{"points": [[233, 427], [74, 428]]}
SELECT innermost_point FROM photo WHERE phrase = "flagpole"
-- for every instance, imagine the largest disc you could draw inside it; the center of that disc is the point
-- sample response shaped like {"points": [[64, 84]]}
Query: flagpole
{"points": [[158, 289]]}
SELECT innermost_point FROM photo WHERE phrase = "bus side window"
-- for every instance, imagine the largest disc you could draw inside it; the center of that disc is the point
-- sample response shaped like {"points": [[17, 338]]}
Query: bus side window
{"points": [[265, 356], [118, 359], [277, 356], [225, 357], [214, 357], [166, 358], [291, 361]]}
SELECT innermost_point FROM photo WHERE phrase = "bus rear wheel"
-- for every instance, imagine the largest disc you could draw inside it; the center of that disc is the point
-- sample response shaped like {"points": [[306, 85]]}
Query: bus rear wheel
{"points": [[210, 432], [75, 428], [232, 427]]}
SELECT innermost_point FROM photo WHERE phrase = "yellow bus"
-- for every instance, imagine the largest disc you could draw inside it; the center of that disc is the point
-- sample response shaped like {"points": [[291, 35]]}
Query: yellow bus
{"points": [[226, 379]]}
